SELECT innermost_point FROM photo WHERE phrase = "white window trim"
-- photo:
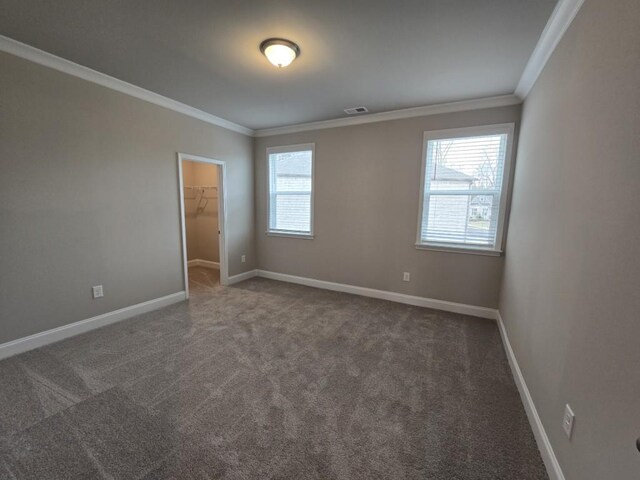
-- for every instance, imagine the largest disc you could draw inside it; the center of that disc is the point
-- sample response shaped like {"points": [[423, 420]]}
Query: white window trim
{"points": [[501, 128], [286, 149]]}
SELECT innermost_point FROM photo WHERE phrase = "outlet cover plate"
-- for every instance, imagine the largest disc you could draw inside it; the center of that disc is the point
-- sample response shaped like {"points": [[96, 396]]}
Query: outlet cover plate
{"points": [[567, 421], [97, 291]]}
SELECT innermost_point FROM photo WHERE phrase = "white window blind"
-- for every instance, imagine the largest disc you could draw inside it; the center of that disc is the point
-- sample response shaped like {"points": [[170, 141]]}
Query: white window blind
{"points": [[291, 190], [464, 180]]}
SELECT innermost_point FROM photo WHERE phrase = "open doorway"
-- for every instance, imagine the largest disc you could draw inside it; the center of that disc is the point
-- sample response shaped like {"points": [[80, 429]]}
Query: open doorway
{"points": [[203, 221]]}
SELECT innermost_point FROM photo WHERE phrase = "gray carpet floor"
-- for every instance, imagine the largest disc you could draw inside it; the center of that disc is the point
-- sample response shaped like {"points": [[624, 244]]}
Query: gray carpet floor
{"points": [[269, 380]]}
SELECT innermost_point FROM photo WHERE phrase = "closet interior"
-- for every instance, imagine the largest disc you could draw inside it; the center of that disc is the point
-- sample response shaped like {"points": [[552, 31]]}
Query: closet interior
{"points": [[202, 227]]}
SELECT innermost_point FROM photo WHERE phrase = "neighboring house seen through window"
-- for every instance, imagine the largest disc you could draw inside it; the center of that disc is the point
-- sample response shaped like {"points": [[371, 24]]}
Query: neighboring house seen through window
{"points": [[291, 190], [464, 186]]}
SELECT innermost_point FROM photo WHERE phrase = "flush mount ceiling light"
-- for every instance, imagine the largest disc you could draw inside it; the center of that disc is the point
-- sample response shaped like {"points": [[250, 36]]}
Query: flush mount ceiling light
{"points": [[279, 51]]}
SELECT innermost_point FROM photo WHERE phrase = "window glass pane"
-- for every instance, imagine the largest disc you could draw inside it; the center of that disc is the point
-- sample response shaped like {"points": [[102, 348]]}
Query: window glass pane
{"points": [[454, 166], [461, 219], [466, 163], [290, 191], [293, 212], [293, 184], [292, 171]]}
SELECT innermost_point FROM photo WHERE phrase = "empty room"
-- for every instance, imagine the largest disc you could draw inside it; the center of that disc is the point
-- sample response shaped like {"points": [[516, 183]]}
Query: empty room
{"points": [[339, 239]]}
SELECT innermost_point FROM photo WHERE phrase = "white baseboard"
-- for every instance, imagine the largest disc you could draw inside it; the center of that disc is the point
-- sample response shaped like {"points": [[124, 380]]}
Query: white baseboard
{"points": [[203, 263], [36, 340], [241, 277], [473, 310], [544, 445]]}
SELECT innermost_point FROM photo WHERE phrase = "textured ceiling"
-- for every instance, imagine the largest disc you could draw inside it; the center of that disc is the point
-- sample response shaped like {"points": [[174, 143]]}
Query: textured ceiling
{"points": [[384, 55]]}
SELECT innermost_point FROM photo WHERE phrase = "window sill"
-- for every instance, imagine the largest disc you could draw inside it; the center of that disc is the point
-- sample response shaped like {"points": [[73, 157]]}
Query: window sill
{"points": [[304, 236], [465, 250]]}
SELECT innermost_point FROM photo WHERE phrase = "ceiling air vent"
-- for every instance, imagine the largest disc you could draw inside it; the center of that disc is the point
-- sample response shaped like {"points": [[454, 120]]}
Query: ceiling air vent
{"points": [[356, 110]]}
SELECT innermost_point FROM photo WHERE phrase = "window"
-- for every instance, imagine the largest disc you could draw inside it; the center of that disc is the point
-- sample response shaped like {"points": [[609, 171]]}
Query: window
{"points": [[291, 190], [464, 185]]}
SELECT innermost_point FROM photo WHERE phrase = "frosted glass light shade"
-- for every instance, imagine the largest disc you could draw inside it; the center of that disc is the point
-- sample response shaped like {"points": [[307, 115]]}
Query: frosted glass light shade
{"points": [[280, 52]]}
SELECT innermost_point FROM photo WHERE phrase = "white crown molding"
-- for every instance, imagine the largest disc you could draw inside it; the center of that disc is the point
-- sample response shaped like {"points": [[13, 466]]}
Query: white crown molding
{"points": [[40, 339], [542, 439], [562, 16], [41, 57], [559, 21], [465, 105]]}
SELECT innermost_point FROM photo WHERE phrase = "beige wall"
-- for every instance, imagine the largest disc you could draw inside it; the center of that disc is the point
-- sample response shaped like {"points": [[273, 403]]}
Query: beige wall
{"points": [[89, 195], [201, 216], [570, 294], [367, 182]]}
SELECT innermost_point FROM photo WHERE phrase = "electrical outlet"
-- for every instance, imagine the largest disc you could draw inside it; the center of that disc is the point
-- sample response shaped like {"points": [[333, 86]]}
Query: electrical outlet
{"points": [[97, 291], [406, 276], [567, 421], [243, 258]]}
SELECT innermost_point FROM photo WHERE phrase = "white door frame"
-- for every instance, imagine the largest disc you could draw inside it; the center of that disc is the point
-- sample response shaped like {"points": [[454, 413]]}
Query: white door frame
{"points": [[222, 216]]}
